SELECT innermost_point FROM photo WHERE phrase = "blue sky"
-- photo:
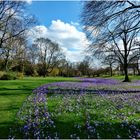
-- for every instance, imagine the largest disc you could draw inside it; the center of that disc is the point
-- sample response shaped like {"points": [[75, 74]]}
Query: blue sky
{"points": [[60, 22], [46, 11]]}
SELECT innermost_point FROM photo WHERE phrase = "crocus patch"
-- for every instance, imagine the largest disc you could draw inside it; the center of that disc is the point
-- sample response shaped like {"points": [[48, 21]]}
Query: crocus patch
{"points": [[91, 108]]}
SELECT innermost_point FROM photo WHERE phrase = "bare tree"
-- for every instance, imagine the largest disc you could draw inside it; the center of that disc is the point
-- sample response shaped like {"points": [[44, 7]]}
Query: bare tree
{"points": [[109, 61], [14, 23], [14, 20], [85, 66], [13, 51], [32, 53], [112, 27], [49, 54], [62, 66], [136, 57], [99, 14]]}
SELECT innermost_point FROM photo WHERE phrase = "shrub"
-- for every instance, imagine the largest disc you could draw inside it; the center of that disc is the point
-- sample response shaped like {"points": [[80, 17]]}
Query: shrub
{"points": [[8, 76], [54, 72], [20, 75], [35, 74], [1, 73]]}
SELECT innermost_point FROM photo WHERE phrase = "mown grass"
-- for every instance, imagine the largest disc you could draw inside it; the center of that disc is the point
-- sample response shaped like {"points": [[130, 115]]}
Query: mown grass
{"points": [[102, 110], [86, 116], [12, 95], [121, 77], [14, 92]]}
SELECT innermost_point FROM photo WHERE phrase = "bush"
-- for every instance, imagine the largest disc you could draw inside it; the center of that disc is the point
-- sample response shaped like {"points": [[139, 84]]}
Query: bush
{"points": [[1, 73], [8, 76], [20, 75]]}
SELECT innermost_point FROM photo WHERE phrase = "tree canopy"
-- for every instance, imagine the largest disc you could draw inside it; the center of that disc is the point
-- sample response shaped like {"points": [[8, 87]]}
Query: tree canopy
{"points": [[113, 27]]}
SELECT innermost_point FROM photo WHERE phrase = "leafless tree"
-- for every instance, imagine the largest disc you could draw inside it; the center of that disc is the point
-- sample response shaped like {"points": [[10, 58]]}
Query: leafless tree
{"points": [[32, 53], [49, 54], [14, 20], [14, 24], [62, 66], [109, 61], [112, 26], [85, 66], [136, 57], [14, 51]]}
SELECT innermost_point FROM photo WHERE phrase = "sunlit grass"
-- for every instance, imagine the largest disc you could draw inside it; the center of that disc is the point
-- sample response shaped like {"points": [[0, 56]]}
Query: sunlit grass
{"points": [[121, 77], [103, 111], [12, 95], [14, 92]]}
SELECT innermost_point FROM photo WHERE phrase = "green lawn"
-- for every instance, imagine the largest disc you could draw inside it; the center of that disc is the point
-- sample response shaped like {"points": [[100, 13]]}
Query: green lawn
{"points": [[83, 116], [105, 113], [101, 109], [121, 77], [12, 95]]}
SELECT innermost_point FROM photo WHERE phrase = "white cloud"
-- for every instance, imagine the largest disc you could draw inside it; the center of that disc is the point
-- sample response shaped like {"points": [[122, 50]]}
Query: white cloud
{"points": [[71, 40], [75, 23], [37, 32], [29, 1]]}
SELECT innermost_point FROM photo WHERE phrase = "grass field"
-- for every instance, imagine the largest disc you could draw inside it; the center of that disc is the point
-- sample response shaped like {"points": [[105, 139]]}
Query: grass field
{"points": [[94, 116], [12, 95], [121, 77], [14, 92]]}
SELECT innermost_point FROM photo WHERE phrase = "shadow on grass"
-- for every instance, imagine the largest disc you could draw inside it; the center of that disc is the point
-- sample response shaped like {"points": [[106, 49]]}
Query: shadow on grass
{"points": [[5, 129], [10, 108], [14, 92], [66, 129], [29, 89], [103, 130]]}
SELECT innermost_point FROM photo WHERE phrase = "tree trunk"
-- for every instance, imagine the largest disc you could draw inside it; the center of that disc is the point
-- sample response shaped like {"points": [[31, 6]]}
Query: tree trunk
{"points": [[125, 66], [6, 61], [111, 70], [44, 70], [126, 79], [6, 65], [137, 67], [138, 71], [134, 72], [22, 67]]}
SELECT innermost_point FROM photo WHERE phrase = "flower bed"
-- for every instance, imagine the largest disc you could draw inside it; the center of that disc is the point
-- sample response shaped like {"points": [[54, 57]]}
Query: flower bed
{"points": [[66, 115], [90, 85]]}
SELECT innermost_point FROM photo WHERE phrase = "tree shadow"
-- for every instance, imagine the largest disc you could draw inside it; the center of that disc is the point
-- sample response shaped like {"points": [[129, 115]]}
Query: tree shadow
{"points": [[103, 130]]}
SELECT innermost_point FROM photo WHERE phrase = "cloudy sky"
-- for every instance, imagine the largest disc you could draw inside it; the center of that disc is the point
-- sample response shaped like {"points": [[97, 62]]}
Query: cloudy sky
{"points": [[59, 21]]}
